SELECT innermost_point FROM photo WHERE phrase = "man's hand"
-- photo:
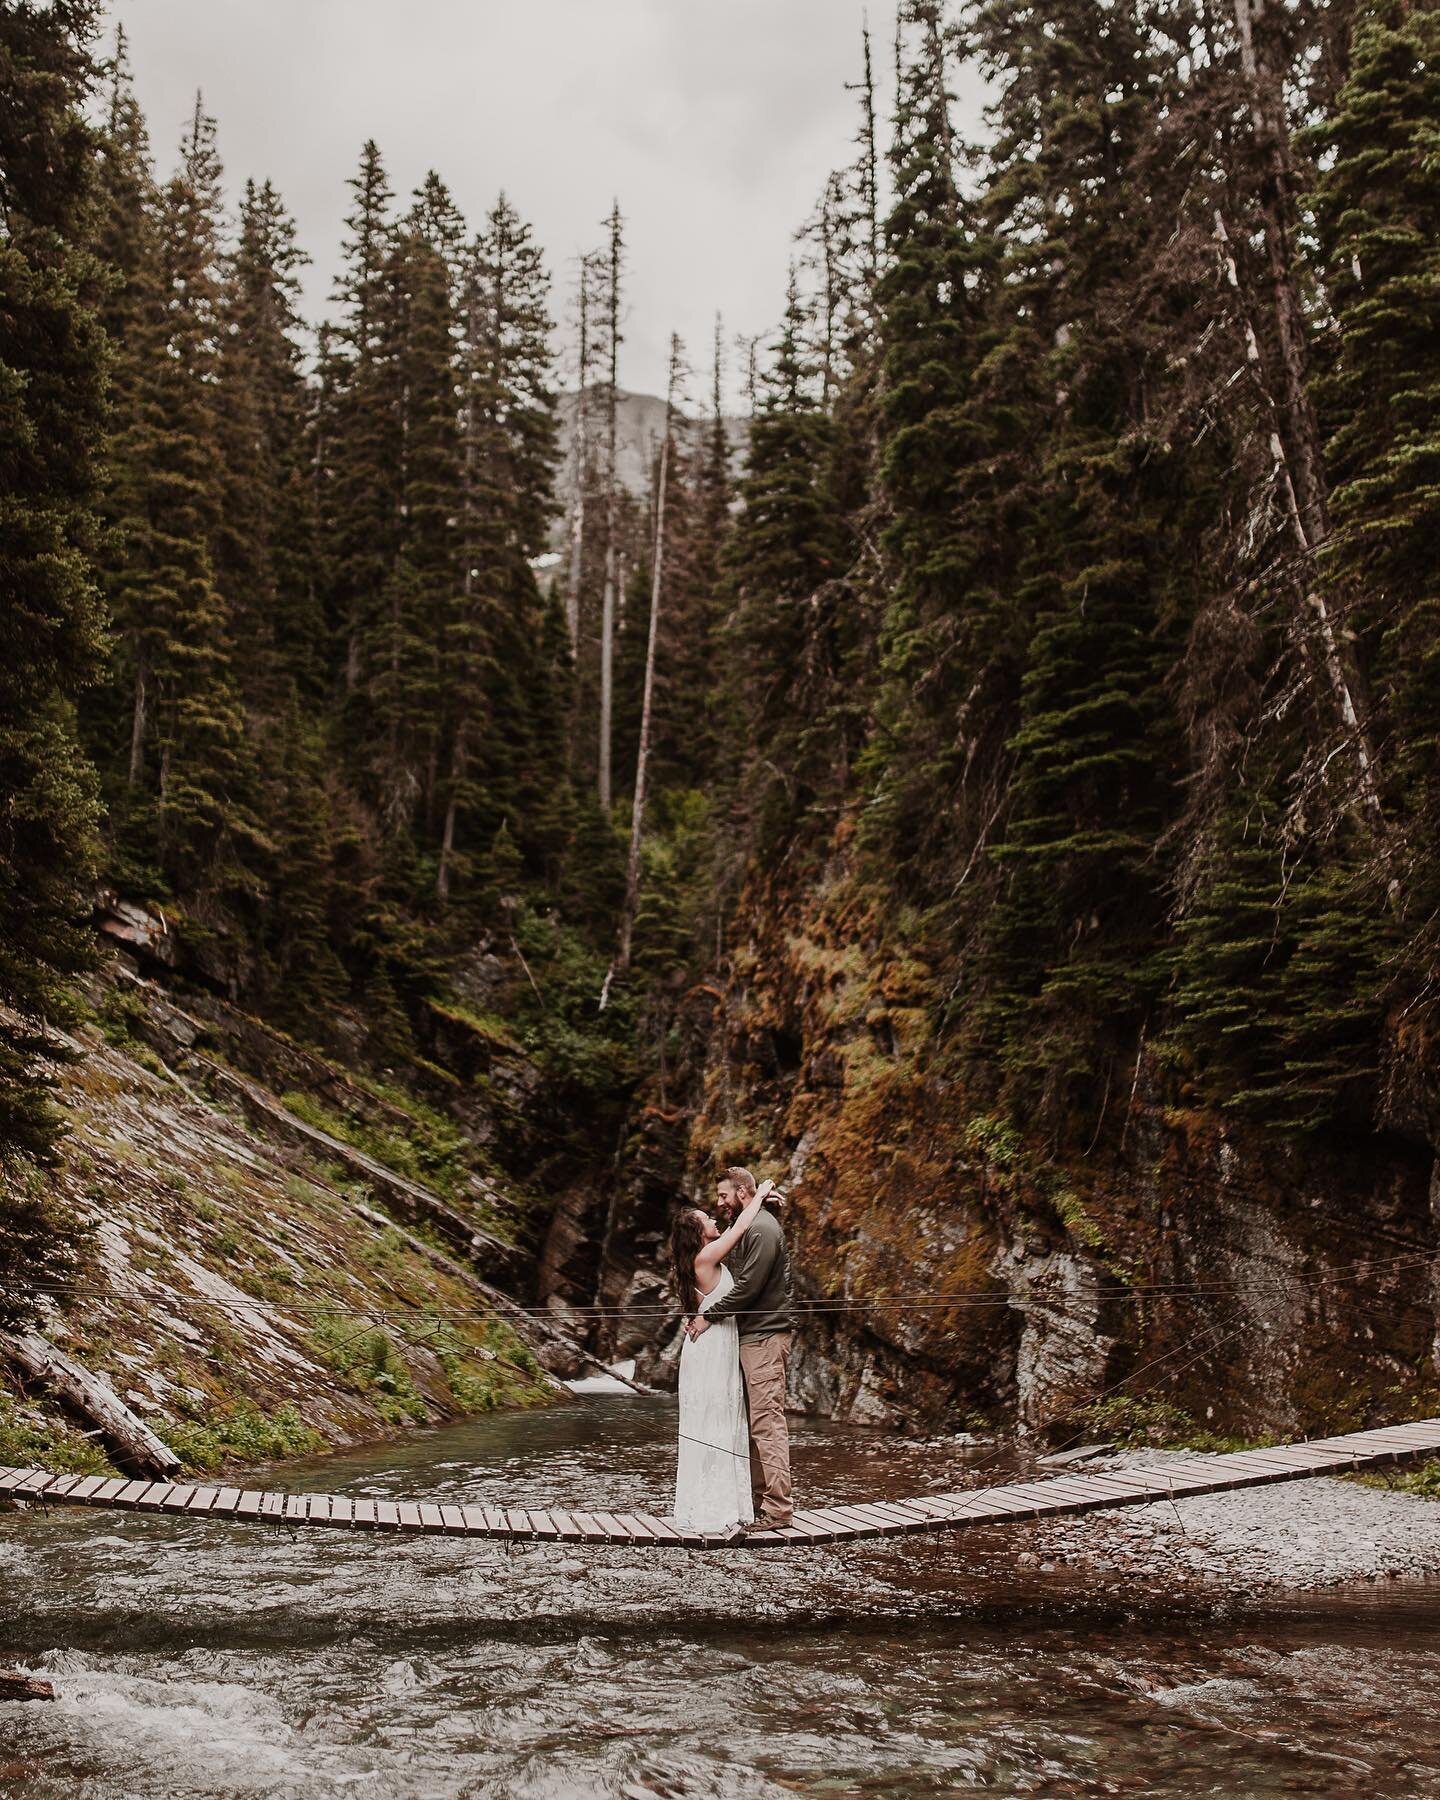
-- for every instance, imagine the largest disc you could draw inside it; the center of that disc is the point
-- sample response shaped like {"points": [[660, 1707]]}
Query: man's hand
{"points": [[694, 1327]]}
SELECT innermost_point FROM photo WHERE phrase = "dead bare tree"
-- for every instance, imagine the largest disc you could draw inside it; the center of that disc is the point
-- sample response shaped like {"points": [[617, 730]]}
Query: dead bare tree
{"points": [[584, 349], [615, 225], [621, 960]]}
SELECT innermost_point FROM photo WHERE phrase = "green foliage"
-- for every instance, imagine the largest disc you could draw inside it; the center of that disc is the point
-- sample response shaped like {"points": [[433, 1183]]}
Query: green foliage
{"points": [[50, 1444], [1148, 1421], [508, 1376], [1278, 976], [368, 1360], [244, 1434], [430, 1149], [52, 374]]}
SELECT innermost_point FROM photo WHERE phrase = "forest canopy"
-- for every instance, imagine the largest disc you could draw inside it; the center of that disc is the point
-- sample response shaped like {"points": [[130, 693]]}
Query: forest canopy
{"points": [[1073, 602]]}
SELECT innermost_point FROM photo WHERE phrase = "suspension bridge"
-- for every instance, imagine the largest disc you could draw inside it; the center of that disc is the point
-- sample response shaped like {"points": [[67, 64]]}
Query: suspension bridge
{"points": [[954, 1511]]}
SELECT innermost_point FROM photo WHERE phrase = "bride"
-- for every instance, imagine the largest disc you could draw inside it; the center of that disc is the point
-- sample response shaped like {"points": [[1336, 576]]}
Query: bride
{"points": [[712, 1475]]}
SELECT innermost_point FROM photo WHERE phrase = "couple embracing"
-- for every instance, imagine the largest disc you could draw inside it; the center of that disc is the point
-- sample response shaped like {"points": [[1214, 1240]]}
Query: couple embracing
{"points": [[733, 1273]]}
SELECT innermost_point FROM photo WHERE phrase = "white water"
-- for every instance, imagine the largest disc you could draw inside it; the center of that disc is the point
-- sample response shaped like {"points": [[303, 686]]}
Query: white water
{"points": [[219, 1659]]}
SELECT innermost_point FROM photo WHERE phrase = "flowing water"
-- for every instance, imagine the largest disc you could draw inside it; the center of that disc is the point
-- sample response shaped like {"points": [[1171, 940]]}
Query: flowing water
{"points": [[197, 1659]]}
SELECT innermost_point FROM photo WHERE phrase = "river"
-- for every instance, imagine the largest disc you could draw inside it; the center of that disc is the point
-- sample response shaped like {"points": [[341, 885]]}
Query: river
{"points": [[221, 1659]]}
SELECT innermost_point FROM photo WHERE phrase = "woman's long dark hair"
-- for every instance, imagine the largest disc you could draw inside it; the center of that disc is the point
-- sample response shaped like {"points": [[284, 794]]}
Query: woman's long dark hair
{"points": [[687, 1236]]}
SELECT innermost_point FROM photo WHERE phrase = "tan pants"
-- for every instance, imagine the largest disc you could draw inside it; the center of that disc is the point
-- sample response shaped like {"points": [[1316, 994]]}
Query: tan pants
{"points": [[763, 1363]]}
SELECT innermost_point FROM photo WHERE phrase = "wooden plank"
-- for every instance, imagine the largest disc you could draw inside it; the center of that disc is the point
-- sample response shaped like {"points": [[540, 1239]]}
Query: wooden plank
{"points": [[319, 1511], [42, 1480], [25, 1484], [542, 1526], [588, 1529], [829, 1521], [518, 1518], [1275, 1462], [873, 1516], [130, 1493], [904, 1510], [407, 1516], [178, 1498], [477, 1521], [614, 1531], [932, 1508], [154, 1499], [838, 1524], [564, 1523], [454, 1517], [387, 1515], [1298, 1456], [1069, 1492], [62, 1487], [342, 1509], [497, 1521], [660, 1529], [297, 1509], [271, 1507], [430, 1517], [86, 1488], [12, 1478], [1389, 1441], [250, 1503], [226, 1500], [638, 1527], [1123, 1484], [1013, 1500], [203, 1500], [364, 1513]]}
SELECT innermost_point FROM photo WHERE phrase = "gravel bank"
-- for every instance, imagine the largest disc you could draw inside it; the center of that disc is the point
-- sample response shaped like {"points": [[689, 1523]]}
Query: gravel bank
{"points": [[1299, 1534]]}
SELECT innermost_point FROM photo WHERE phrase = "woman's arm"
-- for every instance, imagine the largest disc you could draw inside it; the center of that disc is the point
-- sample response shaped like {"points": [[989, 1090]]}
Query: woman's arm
{"points": [[727, 1240]]}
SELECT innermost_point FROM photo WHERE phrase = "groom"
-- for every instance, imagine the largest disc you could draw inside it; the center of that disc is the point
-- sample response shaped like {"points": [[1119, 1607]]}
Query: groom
{"points": [[759, 1303]]}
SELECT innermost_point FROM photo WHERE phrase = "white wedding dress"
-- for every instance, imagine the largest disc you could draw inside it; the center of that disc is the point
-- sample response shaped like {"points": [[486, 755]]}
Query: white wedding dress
{"points": [[712, 1475]]}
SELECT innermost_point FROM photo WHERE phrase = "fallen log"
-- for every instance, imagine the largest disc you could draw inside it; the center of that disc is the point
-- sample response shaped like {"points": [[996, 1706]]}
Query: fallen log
{"points": [[410, 1199], [130, 1441], [15, 1686]]}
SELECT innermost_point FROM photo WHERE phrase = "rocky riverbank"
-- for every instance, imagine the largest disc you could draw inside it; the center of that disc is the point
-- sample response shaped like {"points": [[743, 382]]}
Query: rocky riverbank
{"points": [[260, 1268], [1298, 1535]]}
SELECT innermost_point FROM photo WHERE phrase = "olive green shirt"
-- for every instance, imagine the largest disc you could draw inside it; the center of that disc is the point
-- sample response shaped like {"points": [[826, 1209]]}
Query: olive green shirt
{"points": [[759, 1302]]}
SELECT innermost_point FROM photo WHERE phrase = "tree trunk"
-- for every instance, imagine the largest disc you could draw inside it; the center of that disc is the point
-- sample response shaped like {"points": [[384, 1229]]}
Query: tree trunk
{"points": [[1310, 533], [582, 466], [447, 839], [137, 724], [1295, 438], [621, 961], [130, 1441], [607, 616], [1277, 208], [15, 1686], [607, 678]]}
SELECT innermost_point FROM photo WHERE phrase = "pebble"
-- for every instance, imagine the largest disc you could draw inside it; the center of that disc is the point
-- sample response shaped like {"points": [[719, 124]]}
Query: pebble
{"points": [[1299, 1535]]}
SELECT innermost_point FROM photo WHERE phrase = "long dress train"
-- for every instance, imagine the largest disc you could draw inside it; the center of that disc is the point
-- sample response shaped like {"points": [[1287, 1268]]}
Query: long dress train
{"points": [[712, 1473]]}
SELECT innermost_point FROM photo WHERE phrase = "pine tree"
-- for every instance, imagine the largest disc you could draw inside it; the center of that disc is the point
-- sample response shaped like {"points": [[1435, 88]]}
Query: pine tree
{"points": [[359, 498], [406, 649], [52, 382], [1070, 948], [788, 541], [942, 655], [265, 545], [502, 764], [1378, 392], [186, 815]]}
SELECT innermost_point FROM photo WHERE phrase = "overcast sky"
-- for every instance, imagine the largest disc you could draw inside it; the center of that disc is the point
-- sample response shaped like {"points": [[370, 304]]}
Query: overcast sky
{"points": [[715, 122]]}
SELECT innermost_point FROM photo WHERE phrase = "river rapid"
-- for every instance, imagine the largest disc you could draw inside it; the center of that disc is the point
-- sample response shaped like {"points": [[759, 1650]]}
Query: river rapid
{"points": [[225, 1659]]}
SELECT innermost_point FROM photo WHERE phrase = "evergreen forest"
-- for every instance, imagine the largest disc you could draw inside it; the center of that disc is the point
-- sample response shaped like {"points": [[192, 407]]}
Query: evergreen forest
{"points": [[1061, 625]]}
